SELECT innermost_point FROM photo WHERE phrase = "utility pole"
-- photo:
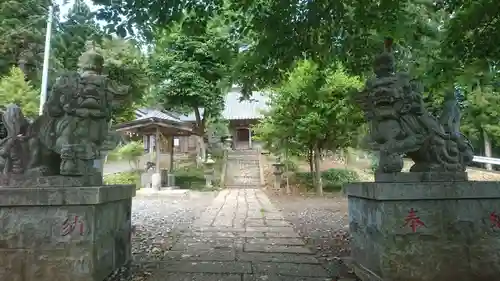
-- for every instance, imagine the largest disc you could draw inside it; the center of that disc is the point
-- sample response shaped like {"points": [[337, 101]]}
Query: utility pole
{"points": [[46, 56]]}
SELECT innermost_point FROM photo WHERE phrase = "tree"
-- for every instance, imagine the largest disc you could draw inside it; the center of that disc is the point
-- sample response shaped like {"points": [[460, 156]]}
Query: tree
{"points": [[147, 16], [130, 152], [14, 89], [191, 68], [311, 111], [22, 35], [128, 67], [473, 32], [73, 34]]}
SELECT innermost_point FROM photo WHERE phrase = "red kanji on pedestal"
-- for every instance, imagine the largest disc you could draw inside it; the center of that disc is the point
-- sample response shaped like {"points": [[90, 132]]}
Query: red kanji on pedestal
{"points": [[495, 220], [69, 225], [413, 220]]}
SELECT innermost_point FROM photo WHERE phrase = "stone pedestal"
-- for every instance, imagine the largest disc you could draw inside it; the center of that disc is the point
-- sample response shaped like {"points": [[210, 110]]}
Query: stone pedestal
{"points": [[167, 179], [425, 231], [156, 181], [146, 179], [170, 180], [64, 233]]}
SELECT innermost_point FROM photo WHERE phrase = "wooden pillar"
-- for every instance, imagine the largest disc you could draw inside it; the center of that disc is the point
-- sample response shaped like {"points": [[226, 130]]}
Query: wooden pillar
{"points": [[150, 150], [171, 166], [249, 138], [157, 143]]}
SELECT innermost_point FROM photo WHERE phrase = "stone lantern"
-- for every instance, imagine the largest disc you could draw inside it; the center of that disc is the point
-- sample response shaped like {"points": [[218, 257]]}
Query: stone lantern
{"points": [[227, 140], [278, 173], [209, 171]]}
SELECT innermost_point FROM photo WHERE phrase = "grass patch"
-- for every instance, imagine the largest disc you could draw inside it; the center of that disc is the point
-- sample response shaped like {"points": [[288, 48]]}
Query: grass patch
{"points": [[193, 177], [131, 177]]}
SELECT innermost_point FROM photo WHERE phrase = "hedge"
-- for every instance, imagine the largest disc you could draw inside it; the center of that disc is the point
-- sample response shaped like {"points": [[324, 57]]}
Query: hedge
{"points": [[333, 179]]}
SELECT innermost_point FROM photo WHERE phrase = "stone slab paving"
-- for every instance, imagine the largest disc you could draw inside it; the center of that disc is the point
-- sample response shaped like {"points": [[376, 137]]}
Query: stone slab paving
{"points": [[240, 237]]}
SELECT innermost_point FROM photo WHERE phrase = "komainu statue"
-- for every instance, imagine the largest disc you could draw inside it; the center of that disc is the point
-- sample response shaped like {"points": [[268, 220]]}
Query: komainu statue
{"points": [[73, 129], [13, 145], [400, 125]]}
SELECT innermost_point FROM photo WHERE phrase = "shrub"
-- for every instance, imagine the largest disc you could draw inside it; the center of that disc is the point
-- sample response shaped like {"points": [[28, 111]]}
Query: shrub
{"points": [[333, 179], [130, 152], [133, 177], [190, 177]]}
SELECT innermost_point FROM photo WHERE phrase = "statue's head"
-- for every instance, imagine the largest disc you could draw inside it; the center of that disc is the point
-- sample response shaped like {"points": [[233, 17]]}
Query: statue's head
{"points": [[91, 60], [384, 65], [451, 95]]}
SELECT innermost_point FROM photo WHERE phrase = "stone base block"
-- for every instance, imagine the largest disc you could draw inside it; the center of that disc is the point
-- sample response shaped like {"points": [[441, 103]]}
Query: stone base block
{"points": [[156, 181], [64, 234], [427, 231], [146, 179], [28, 181], [421, 177]]}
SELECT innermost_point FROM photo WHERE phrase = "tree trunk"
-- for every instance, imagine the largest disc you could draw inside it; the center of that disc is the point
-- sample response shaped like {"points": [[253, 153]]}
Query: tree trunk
{"points": [[286, 172], [347, 156], [487, 149], [317, 172], [310, 160], [200, 130], [202, 150]]}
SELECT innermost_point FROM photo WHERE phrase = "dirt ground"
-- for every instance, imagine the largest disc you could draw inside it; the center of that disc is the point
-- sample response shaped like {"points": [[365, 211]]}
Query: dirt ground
{"points": [[323, 223]]}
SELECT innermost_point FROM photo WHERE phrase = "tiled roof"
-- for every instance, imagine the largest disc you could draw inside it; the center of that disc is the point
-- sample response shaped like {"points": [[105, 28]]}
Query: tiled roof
{"points": [[235, 109], [145, 113]]}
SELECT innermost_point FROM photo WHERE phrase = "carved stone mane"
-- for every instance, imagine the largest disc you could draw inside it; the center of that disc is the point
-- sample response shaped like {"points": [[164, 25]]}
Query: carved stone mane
{"points": [[12, 147], [70, 134], [401, 126]]}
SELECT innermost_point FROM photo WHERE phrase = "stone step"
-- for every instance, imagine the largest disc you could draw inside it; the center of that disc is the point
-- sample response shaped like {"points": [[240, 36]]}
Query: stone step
{"points": [[243, 186]]}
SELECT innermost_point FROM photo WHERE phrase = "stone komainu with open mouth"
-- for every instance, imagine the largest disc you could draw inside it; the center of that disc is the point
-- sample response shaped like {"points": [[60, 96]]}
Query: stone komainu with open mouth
{"points": [[400, 125]]}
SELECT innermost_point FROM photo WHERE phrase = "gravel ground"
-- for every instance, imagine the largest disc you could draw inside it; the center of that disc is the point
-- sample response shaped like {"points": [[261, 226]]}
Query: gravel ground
{"points": [[158, 220], [323, 222]]}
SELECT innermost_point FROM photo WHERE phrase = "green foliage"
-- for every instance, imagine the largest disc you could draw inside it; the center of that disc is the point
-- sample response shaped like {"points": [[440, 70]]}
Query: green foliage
{"points": [[73, 33], [291, 165], [473, 31], [219, 127], [133, 177], [14, 89], [190, 177], [333, 179], [130, 152], [127, 66], [191, 66], [320, 30], [312, 108], [22, 32], [147, 15]]}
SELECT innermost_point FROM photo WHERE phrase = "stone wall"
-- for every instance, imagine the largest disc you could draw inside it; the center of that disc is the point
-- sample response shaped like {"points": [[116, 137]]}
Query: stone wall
{"points": [[427, 231], [64, 234]]}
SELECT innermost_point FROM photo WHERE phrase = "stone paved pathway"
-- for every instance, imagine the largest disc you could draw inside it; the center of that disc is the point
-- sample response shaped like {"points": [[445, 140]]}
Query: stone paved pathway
{"points": [[241, 236]]}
